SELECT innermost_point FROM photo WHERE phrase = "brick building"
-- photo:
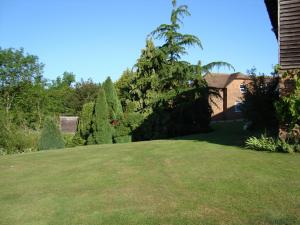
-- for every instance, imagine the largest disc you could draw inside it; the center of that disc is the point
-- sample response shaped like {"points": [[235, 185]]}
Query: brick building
{"points": [[231, 88]]}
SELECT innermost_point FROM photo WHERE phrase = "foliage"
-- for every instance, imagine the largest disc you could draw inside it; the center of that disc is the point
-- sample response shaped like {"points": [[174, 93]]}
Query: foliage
{"points": [[179, 114], [13, 139], [78, 141], [85, 92], [286, 147], [122, 133], [113, 102], [167, 97], [101, 131], [60, 94], [175, 42], [51, 137], [124, 87], [259, 99], [146, 84], [69, 140], [270, 144], [177, 74], [16, 70], [149, 90], [84, 126], [261, 144], [288, 107], [21, 87], [133, 119]]}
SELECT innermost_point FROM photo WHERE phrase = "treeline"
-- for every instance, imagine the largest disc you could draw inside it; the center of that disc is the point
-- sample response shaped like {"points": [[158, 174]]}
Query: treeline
{"points": [[161, 97], [27, 97]]}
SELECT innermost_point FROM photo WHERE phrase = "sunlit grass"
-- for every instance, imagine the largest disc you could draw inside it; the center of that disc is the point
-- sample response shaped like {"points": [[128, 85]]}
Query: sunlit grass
{"points": [[202, 179]]}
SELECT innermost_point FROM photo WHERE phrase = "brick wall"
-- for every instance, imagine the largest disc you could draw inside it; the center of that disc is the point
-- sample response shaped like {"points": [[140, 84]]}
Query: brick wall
{"points": [[217, 106], [225, 108]]}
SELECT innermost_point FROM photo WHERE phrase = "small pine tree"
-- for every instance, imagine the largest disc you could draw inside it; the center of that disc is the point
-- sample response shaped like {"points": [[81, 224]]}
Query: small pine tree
{"points": [[85, 122], [51, 137], [114, 104], [101, 128]]}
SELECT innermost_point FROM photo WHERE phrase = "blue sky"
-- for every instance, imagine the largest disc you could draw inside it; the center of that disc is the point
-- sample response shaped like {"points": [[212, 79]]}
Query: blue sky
{"points": [[100, 38]]}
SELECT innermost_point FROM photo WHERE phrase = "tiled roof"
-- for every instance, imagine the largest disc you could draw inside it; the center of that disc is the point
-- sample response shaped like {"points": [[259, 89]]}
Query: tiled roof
{"points": [[221, 80]]}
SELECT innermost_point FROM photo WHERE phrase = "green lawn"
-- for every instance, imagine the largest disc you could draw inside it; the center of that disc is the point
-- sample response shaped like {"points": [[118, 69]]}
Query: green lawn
{"points": [[201, 179]]}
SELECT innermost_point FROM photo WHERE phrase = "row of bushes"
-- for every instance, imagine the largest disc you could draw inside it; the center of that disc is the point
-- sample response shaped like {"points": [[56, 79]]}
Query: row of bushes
{"points": [[270, 144], [14, 139]]}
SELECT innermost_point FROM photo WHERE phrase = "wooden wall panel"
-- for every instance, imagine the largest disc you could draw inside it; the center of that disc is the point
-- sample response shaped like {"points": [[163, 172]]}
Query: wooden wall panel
{"points": [[289, 34]]}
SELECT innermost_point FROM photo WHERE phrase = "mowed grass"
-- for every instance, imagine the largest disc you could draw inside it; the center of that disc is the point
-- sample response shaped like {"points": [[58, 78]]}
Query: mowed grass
{"points": [[201, 179]]}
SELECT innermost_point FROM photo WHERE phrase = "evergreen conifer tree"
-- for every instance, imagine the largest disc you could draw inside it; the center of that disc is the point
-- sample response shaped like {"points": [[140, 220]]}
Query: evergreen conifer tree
{"points": [[114, 104], [101, 128], [51, 137], [84, 123]]}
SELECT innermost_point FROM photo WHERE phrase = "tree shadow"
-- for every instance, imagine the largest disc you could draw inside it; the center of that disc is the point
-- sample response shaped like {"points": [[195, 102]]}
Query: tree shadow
{"points": [[184, 119], [185, 113], [229, 133]]}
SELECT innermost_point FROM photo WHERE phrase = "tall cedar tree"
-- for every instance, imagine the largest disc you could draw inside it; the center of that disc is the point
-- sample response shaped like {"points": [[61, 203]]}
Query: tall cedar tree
{"points": [[113, 102], [51, 137], [101, 128], [175, 45]]}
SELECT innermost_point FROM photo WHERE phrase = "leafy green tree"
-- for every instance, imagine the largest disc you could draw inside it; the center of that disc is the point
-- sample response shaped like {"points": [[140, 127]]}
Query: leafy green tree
{"points": [[61, 95], [101, 128], [85, 92], [31, 106], [17, 71], [113, 102], [51, 137]]}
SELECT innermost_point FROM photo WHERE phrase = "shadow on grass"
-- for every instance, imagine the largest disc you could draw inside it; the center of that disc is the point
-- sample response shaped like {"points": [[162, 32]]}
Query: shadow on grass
{"points": [[223, 133]]}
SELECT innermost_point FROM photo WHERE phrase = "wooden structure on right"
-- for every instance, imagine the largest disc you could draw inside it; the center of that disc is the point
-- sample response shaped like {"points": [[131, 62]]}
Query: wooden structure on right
{"points": [[285, 19]]}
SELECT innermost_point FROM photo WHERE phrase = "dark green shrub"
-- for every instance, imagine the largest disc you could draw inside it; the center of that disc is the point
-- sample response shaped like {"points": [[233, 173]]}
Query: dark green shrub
{"points": [[50, 137], [78, 141], [15, 140], [178, 114], [283, 146], [122, 133], [133, 119], [101, 128], [69, 140], [91, 140], [259, 100], [123, 139]]}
